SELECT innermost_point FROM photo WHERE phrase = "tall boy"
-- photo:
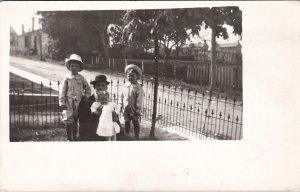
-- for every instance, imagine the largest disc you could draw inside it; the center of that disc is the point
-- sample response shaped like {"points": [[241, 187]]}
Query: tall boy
{"points": [[74, 88]]}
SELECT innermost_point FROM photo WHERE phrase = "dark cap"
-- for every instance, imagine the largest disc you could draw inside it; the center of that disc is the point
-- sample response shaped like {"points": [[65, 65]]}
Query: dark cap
{"points": [[101, 79]]}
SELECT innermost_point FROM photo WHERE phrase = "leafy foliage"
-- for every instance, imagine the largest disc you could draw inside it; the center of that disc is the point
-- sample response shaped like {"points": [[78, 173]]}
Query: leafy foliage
{"points": [[215, 17], [85, 31], [171, 26], [79, 31]]}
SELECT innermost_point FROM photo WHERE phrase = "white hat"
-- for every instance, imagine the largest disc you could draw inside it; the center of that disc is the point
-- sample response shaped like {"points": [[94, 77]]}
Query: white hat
{"points": [[74, 57], [136, 68]]}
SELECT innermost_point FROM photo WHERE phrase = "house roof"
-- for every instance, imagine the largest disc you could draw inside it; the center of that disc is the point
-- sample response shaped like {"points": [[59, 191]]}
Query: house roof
{"points": [[12, 30], [201, 44], [30, 32], [226, 45]]}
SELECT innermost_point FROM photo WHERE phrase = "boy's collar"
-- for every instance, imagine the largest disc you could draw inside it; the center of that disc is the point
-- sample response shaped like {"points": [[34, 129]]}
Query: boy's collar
{"points": [[71, 76], [129, 84]]}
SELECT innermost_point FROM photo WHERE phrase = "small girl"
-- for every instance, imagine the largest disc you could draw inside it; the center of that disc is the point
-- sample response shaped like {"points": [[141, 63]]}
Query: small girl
{"points": [[74, 88], [106, 127]]}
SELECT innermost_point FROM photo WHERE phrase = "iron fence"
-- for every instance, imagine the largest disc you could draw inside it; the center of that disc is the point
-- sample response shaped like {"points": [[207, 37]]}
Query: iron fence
{"points": [[34, 105], [202, 115]]}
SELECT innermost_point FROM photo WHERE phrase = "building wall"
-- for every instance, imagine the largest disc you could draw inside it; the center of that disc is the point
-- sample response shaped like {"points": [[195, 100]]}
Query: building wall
{"points": [[21, 43], [45, 43], [236, 49], [26, 43]]}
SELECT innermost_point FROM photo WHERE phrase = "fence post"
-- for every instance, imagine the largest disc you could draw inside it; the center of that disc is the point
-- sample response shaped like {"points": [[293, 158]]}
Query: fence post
{"points": [[109, 62], [143, 66], [92, 59], [174, 71], [125, 62], [218, 75], [113, 63], [187, 72], [232, 71]]}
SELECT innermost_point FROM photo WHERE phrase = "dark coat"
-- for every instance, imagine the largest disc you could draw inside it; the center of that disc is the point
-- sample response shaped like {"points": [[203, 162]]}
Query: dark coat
{"points": [[88, 122]]}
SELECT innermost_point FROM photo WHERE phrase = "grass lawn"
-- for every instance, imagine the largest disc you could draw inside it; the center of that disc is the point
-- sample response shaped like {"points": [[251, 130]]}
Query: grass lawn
{"points": [[21, 85], [40, 133], [57, 133]]}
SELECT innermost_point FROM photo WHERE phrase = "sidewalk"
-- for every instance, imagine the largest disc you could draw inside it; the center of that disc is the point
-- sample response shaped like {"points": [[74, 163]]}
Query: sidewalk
{"points": [[161, 133]]}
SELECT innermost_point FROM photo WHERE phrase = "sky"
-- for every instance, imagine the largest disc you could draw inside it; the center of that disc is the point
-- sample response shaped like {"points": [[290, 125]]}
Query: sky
{"points": [[206, 34], [17, 20]]}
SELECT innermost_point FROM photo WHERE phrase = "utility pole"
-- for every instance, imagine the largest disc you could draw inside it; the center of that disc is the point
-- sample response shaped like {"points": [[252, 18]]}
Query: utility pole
{"points": [[41, 47]]}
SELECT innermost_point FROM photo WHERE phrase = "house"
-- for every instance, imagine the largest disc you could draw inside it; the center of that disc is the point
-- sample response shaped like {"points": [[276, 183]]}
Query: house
{"points": [[13, 37], [230, 47], [229, 52], [34, 42], [226, 53], [201, 51], [194, 49]]}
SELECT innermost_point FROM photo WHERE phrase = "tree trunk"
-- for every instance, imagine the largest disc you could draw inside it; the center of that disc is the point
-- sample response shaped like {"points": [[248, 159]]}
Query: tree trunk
{"points": [[166, 62], [177, 49], [124, 51], [152, 132], [41, 47], [177, 52], [103, 43], [213, 60], [167, 52]]}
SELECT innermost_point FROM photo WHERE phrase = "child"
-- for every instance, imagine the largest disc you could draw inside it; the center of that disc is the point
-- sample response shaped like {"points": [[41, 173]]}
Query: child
{"points": [[74, 88], [88, 121], [131, 99], [106, 127]]}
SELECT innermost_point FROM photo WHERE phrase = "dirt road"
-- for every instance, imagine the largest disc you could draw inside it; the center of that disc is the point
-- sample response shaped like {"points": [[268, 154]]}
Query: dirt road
{"points": [[54, 72]]}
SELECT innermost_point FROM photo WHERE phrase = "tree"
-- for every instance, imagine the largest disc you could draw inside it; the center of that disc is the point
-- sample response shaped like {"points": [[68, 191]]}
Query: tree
{"points": [[74, 29], [144, 26], [215, 18], [121, 41], [174, 32], [171, 29], [63, 28], [100, 21], [165, 26]]}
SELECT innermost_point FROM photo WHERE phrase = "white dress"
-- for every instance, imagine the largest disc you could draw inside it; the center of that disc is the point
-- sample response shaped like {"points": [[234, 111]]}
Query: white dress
{"points": [[106, 126]]}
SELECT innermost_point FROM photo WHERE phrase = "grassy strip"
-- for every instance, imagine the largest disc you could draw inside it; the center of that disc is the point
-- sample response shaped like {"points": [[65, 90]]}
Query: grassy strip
{"points": [[17, 83]]}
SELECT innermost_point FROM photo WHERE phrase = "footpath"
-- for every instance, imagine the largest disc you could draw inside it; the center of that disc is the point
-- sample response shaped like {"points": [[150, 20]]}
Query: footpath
{"points": [[161, 133]]}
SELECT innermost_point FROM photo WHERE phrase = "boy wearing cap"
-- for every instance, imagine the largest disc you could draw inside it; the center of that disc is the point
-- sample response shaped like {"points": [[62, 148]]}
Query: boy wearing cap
{"points": [[131, 99], [88, 119], [74, 88]]}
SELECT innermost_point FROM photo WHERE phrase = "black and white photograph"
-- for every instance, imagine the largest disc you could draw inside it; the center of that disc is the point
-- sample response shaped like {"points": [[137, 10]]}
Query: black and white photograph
{"points": [[149, 96], [167, 74]]}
